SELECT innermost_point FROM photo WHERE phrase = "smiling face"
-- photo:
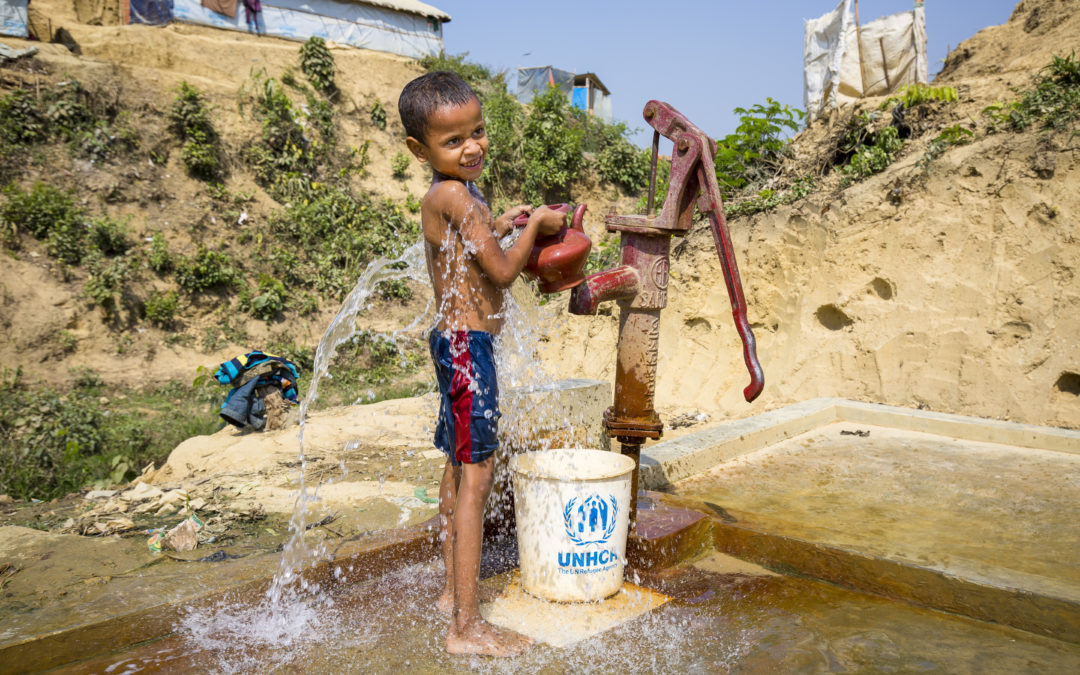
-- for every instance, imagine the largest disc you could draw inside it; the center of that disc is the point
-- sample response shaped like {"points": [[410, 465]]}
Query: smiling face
{"points": [[455, 143]]}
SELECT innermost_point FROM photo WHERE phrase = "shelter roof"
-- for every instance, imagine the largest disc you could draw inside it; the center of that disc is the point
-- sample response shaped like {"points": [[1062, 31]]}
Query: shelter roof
{"points": [[579, 81], [409, 6]]}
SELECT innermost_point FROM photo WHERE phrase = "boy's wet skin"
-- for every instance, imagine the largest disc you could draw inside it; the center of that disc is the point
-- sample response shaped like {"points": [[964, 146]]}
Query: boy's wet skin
{"points": [[469, 272]]}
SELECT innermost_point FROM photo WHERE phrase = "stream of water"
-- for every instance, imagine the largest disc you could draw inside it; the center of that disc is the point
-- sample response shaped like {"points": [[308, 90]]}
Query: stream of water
{"points": [[296, 612]]}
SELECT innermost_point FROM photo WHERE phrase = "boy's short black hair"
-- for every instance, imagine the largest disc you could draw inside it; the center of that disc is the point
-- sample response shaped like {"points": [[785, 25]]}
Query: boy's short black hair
{"points": [[424, 95]]}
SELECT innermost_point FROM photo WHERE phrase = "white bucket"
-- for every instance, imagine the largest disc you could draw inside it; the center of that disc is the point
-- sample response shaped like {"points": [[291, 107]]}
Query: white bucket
{"points": [[573, 510]]}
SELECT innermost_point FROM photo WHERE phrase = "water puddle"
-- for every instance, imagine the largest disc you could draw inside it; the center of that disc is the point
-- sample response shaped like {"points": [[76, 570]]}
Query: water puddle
{"points": [[717, 622]]}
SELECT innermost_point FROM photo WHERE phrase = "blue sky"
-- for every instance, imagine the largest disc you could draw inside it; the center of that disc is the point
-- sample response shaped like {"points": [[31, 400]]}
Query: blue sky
{"points": [[705, 58]]}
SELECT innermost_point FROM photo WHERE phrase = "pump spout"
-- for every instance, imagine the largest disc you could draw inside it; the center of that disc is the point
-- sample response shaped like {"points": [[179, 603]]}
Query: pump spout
{"points": [[617, 283]]}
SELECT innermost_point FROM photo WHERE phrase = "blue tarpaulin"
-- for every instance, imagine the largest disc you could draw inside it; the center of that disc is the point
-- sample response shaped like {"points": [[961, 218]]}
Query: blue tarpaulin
{"points": [[151, 12]]}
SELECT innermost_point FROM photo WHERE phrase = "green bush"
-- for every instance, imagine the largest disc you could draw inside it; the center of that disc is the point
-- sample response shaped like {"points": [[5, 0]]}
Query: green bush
{"points": [[618, 160], [160, 259], [208, 270], [189, 118], [67, 241], [317, 64], [161, 308], [400, 165], [39, 210], [270, 300], [766, 200], [106, 283], [394, 289], [874, 156], [54, 443], [21, 123], [1054, 102], [552, 147], [949, 136], [754, 153], [378, 115], [109, 236], [335, 233], [916, 94], [504, 168]]}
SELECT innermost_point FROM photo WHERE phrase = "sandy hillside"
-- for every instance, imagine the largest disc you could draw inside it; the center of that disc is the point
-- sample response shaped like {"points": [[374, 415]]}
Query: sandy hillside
{"points": [[951, 288], [143, 66]]}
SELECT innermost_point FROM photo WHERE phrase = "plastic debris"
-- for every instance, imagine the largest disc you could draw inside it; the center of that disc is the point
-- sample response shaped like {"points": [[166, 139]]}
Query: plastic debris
{"points": [[421, 494], [183, 537]]}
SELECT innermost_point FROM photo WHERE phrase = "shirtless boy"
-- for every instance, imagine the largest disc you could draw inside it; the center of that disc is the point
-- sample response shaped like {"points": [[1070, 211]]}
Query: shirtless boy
{"points": [[470, 273]]}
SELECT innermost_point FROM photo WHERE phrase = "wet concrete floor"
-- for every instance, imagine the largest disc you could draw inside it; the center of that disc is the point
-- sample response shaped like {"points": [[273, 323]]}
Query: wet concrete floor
{"points": [[725, 616], [981, 510]]}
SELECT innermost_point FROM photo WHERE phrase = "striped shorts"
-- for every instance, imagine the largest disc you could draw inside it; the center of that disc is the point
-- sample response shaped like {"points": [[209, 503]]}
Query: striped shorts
{"points": [[469, 394]]}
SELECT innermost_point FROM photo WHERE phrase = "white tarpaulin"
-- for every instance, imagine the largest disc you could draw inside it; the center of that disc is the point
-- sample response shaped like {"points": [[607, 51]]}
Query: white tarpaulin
{"points": [[841, 64], [359, 25], [13, 18]]}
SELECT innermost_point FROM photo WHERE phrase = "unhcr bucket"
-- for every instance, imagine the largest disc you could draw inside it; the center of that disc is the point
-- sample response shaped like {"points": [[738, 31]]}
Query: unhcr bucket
{"points": [[573, 509]]}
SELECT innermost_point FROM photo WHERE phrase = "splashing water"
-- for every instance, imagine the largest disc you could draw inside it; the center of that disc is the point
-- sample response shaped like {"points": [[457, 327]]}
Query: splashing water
{"points": [[295, 614]]}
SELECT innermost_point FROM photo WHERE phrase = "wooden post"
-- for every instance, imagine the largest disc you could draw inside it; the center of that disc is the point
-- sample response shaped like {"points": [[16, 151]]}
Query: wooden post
{"points": [[858, 42], [885, 65]]}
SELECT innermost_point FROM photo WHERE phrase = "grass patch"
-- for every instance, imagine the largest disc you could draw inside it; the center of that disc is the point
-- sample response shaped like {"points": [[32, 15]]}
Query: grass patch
{"points": [[53, 443]]}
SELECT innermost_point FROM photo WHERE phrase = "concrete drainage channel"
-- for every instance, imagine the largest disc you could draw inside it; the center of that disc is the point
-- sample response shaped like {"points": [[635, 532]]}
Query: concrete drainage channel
{"points": [[890, 501], [961, 514]]}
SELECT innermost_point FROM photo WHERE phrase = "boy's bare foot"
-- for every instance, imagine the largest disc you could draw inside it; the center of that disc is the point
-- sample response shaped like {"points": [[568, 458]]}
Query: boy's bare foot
{"points": [[480, 637], [445, 603]]}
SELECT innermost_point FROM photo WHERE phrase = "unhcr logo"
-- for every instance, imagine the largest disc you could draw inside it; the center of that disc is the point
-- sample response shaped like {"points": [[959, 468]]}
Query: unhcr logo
{"points": [[590, 521]]}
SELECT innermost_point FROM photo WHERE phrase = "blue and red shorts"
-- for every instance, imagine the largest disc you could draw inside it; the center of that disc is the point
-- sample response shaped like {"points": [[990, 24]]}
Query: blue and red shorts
{"points": [[469, 404]]}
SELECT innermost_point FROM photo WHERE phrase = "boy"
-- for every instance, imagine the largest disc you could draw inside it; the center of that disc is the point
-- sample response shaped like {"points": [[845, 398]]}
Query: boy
{"points": [[469, 272]]}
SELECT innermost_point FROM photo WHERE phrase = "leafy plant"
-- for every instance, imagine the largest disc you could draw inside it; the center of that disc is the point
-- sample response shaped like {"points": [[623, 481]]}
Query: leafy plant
{"points": [[1054, 102], [160, 260], [67, 241], [618, 160], [378, 115], [949, 136], [317, 64], [874, 157], [400, 165], [109, 236], [766, 200], [38, 210], [208, 270], [483, 81], [161, 308], [916, 94], [53, 443], [553, 144], [270, 300], [504, 123], [189, 118], [106, 283], [394, 289], [755, 151], [21, 122]]}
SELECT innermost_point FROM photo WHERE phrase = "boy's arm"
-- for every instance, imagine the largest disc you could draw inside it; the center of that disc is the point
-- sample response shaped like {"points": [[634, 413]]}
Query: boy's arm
{"points": [[502, 267], [505, 222]]}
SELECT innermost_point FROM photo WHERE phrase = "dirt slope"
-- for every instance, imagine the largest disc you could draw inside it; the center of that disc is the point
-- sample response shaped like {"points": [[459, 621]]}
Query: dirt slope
{"points": [[950, 287], [960, 297]]}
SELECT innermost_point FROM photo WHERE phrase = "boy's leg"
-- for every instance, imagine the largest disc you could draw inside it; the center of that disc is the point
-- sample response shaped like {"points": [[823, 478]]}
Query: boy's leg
{"points": [[447, 501], [469, 633]]}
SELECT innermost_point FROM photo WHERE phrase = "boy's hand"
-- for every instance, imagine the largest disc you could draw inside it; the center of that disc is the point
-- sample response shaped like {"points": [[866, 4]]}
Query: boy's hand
{"points": [[550, 221], [505, 222]]}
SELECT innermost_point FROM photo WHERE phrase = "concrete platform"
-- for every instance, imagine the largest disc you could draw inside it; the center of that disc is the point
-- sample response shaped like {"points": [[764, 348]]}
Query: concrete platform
{"points": [[563, 624], [970, 516]]}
